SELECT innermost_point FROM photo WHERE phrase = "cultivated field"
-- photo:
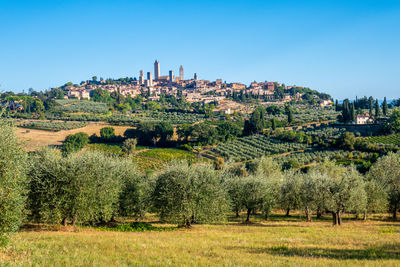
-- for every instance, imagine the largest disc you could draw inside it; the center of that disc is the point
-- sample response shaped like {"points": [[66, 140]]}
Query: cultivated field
{"points": [[33, 139], [283, 243]]}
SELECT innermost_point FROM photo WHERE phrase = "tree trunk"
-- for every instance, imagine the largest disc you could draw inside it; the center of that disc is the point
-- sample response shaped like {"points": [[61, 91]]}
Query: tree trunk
{"points": [[319, 214], [339, 217], [74, 220], [365, 216], [248, 215], [394, 213], [334, 218], [308, 214], [237, 213], [266, 215], [64, 221], [187, 223], [287, 212]]}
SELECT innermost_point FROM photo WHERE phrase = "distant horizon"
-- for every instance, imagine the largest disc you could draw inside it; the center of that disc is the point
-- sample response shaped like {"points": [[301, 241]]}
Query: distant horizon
{"points": [[343, 48]]}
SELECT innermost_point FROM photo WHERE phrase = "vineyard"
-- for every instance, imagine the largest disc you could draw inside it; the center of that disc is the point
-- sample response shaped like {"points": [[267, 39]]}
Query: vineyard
{"points": [[255, 146], [52, 126], [393, 139], [77, 106]]}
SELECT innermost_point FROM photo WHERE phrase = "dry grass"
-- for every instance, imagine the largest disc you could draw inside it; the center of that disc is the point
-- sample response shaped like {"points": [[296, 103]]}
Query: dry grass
{"points": [[33, 139], [292, 242]]}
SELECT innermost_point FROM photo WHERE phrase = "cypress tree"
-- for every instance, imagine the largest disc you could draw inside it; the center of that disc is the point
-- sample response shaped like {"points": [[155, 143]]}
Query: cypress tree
{"points": [[352, 113], [371, 100], [377, 109], [384, 107]]}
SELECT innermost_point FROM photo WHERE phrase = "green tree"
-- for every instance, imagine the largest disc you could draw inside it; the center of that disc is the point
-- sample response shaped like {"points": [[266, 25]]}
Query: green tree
{"points": [[393, 125], [343, 187], [371, 105], [385, 107], [386, 174], [12, 183], [164, 131], [256, 123], [228, 130], [81, 188], [273, 124], [74, 142], [186, 194], [291, 191], [347, 140], [129, 146], [377, 110], [107, 133]]}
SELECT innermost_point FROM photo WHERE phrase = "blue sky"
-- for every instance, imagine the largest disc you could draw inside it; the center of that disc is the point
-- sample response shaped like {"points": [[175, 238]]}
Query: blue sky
{"points": [[345, 48]]}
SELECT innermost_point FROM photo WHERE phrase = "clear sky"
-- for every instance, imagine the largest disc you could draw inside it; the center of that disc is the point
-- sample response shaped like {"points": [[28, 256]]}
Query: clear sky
{"points": [[345, 48]]}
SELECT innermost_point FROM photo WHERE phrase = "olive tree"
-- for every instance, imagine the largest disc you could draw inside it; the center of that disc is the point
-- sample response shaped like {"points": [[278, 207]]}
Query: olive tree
{"points": [[291, 191], [129, 146], [12, 182], [271, 173], [343, 189], [186, 194], [386, 173], [82, 188]]}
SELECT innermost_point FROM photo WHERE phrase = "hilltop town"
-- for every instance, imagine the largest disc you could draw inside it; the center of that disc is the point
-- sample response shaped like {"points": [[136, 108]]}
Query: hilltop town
{"points": [[195, 90]]}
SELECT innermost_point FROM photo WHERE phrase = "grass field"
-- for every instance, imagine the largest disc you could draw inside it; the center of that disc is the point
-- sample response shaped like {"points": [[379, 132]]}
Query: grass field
{"points": [[284, 243], [35, 139]]}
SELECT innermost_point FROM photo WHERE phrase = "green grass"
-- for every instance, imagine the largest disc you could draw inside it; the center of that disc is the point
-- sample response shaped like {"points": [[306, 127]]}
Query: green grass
{"points": [[152, 159], [168, 154], [263, 243], [385, 139]]}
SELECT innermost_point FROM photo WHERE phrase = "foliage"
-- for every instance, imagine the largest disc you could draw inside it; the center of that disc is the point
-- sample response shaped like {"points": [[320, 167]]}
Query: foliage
{"points": [[12, 183], [75, 142], [386, 174], [107, 133], [129, 146], [187, 194], [393, 125], [82, 188], [343, 188], [256, 123]]}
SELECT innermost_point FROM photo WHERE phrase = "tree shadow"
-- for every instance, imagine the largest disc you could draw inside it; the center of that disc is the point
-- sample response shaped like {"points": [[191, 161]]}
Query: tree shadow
{"points": [[388, 251]]}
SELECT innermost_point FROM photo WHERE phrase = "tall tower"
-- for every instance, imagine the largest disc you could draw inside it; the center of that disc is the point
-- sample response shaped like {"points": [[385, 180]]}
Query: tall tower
{"points": [[181, 73], [195, 77], [141, 79], [156, 70], [171, 76], [150, 78]]}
